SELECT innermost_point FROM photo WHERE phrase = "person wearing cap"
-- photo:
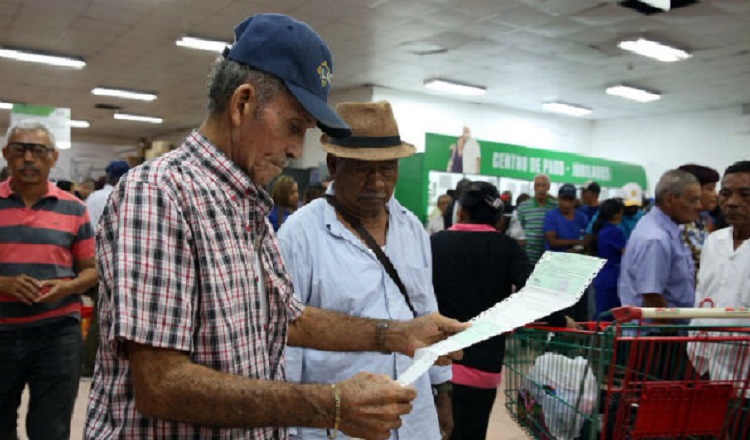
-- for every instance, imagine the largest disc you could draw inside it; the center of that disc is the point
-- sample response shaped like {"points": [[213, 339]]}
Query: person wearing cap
{"points": [[531, 215], [46, 262], [358, 217], [657, 268], [196, 307], [590, 198], [632, 198], [97, 199], [696, 233], [564, 227]]}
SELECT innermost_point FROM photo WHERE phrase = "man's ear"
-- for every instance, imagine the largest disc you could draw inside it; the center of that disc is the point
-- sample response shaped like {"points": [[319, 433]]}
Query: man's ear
{"points": [[243, 103], [331, 163]]}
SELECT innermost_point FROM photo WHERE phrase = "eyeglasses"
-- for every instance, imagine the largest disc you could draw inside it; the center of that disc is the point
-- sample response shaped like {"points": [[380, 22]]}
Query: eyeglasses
{"points": [[18, 149]]}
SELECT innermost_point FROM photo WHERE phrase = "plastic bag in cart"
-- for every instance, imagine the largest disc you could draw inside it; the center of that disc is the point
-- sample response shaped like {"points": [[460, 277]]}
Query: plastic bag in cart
{"points": [[565, 389]]}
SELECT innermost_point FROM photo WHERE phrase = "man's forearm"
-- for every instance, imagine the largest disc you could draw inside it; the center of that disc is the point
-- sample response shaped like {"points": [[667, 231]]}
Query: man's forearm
{"points": [[199, 395], [85, 280], [331, 331]]}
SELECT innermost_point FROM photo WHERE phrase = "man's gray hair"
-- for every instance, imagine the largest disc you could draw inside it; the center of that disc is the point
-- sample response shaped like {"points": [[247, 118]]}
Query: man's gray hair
{"points": [[673, 182], [226, 75], [30, 125]]}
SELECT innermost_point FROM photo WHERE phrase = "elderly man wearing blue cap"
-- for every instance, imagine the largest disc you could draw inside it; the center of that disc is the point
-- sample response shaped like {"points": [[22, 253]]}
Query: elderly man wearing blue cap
{"points": [[196, 306], [96, 201]]}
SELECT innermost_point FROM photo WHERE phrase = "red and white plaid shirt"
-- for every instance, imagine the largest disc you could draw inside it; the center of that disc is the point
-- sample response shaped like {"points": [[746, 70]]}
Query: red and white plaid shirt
{"points": [[175, 250]]}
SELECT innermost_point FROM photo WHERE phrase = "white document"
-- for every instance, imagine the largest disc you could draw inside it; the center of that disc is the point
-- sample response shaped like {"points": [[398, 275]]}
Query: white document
{"points": [[558, 281]]}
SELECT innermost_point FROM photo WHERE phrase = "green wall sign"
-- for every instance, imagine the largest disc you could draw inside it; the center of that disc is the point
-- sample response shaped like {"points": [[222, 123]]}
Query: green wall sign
{"points": [[506, 160]]}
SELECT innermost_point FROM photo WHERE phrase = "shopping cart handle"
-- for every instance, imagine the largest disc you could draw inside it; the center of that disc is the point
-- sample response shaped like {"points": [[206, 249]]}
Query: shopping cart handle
{"points": [[627, 313], [630, 313]]}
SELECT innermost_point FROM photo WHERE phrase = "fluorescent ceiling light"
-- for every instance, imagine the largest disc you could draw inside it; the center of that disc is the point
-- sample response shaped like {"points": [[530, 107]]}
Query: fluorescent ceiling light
{"points": [[443, 85], [633, 93], [202, 44], [125, 94], [63, 145], [37, 57], [6, 105], [139, 118], [78, 124], [664, 5], [566, 109], [652, 49]]}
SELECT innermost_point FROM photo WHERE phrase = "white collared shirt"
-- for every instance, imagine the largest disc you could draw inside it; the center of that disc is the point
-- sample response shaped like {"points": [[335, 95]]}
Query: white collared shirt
{"points": [[724, 278]]}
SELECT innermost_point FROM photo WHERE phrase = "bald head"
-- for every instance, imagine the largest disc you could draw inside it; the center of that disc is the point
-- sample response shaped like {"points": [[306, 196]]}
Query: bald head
{"points": [[541, 187]]}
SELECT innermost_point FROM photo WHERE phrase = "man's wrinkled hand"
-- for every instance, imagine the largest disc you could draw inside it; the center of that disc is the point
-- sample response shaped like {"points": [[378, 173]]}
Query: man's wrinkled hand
{"points": [[22, 287], [53, 291], [424, 331], [372, 405]]}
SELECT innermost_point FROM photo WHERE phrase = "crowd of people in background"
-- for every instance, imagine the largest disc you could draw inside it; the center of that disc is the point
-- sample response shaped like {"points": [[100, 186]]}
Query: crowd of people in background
{"points": [[652, 247]]}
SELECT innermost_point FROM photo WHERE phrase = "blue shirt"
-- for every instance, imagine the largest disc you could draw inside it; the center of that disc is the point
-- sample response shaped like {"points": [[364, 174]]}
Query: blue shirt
{"points": [[627, 225], [656, 260], [609, 246], [273, 216], [566, 229], [588, 211], [333, 269]]}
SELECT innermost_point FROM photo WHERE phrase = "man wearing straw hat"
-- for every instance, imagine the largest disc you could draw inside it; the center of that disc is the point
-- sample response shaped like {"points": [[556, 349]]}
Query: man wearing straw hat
{"points": [[196, 303], [359, 251]]}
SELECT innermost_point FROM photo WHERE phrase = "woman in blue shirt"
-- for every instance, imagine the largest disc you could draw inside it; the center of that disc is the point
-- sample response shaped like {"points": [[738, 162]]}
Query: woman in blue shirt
{"points": [[609, 242], [285, 195]]}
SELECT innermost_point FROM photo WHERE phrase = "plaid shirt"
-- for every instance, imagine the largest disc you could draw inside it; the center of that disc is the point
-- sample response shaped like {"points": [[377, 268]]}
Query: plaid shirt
{"points": [[175, 248]]}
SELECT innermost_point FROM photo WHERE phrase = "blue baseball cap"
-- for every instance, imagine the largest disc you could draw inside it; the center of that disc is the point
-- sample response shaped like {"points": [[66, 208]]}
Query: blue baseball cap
{"points": [[567, 190], [117, 168], [296, 54]]}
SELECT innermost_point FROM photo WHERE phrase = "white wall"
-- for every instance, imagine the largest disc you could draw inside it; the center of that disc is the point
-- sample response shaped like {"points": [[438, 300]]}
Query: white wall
{"points": [[715, 138], [313, 155], [419, 114]]}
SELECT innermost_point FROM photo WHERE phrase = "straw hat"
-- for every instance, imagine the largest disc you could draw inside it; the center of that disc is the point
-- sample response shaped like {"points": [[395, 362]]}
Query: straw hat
{"points": [[374, 133]]}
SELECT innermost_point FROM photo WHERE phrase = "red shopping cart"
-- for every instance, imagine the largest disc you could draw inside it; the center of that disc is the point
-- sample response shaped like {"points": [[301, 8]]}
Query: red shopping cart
{"points": [[631, 379]]}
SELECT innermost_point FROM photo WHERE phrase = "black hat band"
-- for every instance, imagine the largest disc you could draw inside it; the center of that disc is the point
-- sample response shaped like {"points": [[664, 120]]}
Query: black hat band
{"points": [[367, 141]]}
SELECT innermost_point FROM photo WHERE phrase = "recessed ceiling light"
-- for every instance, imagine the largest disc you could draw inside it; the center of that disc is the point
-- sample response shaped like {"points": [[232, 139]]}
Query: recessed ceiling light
{"points": [[6, 105], [633, 93], [43, 58], [655, 50], [566, 109], [202, 44], [138, 118], [78, 124], [125, 94], [444, 85]]}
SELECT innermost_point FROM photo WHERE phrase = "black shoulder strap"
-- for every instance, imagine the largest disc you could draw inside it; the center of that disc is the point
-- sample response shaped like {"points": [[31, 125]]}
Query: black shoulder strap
{"points": [[373, 245]]}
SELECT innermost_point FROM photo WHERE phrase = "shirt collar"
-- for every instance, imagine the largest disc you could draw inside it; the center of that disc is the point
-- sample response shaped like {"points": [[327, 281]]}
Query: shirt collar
{"points": [[224, 171], [669, 224], [469, 227], [6, 191]]}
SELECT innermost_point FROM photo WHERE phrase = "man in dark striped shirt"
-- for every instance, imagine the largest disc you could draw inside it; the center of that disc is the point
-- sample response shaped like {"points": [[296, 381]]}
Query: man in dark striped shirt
{"points": [[46, 261]]}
